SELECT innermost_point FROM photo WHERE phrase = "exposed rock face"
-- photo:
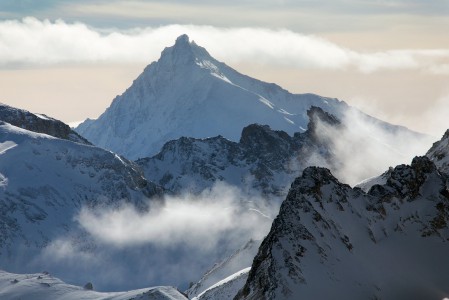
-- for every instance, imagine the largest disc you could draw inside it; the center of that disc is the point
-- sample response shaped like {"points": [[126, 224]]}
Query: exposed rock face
{"points": [[318, 116], [405, 181], [439, 153], [39, 123], [332, 241], [264, 160]]}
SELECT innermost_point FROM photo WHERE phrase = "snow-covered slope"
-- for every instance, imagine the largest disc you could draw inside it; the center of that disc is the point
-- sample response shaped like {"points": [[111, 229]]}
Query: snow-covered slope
{"points": [[225, 289], [189, 93], [39, 123], [381, 179], [227, 277], [45, 184], [45, 181], [331, 241], [43, 286]]}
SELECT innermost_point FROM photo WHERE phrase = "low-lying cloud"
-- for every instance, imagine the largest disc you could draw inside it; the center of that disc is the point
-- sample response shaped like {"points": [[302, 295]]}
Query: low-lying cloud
{"points": [[199, 222], [34, 42], [174, 242]]}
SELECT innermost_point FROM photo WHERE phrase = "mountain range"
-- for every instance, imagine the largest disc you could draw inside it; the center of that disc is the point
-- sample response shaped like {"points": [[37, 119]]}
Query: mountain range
{"points": [[47, 181], [264, 161], [188, 93], [191, 123]]}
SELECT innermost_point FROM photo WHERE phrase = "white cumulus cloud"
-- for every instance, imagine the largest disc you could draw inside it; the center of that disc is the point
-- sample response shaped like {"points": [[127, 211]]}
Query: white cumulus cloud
{"points": [[41, 42]]}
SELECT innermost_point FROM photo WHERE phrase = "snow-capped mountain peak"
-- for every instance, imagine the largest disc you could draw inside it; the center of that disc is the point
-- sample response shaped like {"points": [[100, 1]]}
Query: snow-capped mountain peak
{"points": [[185, 60], [189, 93], [185, 51]]}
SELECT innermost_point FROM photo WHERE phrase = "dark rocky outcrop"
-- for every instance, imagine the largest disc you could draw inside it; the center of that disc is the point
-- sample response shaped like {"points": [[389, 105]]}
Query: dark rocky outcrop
{"points": [[39, 123]]}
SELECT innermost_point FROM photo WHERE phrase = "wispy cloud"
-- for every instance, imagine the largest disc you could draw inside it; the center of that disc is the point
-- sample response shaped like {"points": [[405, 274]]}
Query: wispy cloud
{"points": [[378, 147], [199, 222], [35, 42], [64, 249]]}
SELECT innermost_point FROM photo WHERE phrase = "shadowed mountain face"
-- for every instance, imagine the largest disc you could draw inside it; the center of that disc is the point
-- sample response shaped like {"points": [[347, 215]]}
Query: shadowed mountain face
{"points": [[332, 241], [39, 123]]}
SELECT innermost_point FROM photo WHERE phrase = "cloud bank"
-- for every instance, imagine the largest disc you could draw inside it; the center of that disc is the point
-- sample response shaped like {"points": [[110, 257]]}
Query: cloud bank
{"points": [[32, 42]]}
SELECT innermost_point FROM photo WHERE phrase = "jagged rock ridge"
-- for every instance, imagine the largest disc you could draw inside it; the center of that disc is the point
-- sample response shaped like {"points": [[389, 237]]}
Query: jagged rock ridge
{"points": [[263, 161], [332, 241], [39, 123]]}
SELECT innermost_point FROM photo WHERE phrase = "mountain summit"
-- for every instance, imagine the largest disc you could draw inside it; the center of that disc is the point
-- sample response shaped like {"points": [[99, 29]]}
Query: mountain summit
{"points": [[189, 93], [184, 49]]}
